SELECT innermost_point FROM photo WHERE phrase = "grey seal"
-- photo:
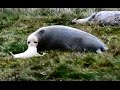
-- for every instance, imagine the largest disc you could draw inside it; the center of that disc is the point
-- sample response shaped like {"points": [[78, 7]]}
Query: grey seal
{"points": [[64, 37], [107, 18]]}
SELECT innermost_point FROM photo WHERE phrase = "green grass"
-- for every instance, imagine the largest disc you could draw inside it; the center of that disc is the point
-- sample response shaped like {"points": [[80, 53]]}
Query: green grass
{"points": [[17, 24]]}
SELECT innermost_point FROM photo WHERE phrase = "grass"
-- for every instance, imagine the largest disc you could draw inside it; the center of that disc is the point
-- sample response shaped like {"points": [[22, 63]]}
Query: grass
{"points": [[17, 24]]}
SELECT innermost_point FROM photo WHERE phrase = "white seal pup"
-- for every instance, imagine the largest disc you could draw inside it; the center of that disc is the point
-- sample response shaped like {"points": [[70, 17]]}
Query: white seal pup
{"points": [[31, 51], [64, 37], [111, 18]]}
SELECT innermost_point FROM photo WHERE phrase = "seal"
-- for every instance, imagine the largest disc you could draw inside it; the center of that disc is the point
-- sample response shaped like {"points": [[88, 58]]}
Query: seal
{"points": [[64, 37], [107, 18]]}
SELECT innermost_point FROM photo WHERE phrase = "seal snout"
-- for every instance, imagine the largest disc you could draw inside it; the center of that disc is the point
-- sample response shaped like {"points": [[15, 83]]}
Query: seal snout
{"points": [[73, 21], [104, 48]]}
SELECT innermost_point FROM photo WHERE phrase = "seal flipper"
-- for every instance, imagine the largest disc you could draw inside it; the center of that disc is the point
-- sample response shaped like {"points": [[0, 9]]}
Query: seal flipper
{"points": [[12, 54], [99, 51]]}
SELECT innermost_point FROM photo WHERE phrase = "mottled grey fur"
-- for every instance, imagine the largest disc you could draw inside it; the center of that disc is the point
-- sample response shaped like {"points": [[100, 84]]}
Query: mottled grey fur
{"points": [[68, 38], [111, 18]]}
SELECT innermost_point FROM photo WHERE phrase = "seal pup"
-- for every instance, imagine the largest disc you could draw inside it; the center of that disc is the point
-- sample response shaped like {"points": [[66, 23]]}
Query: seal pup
{"points": [[31, 51]]}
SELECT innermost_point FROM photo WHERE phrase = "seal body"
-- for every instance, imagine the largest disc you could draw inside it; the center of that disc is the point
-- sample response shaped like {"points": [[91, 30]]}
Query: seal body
{"points": [[111, 18], [67, 38]]}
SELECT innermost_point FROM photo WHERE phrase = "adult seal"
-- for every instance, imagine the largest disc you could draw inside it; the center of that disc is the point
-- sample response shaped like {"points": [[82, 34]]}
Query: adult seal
{"points": [[107, 18], [64, 37]]}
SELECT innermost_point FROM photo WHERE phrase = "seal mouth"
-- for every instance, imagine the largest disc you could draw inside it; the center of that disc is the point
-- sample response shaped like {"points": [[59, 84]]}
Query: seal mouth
{"points": [[105, 48], [30, 52]]}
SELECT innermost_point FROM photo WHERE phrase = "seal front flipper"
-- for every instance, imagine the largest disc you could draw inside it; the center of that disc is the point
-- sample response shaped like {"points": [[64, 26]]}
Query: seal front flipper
{"points": [[99, 51], [12, 55]]}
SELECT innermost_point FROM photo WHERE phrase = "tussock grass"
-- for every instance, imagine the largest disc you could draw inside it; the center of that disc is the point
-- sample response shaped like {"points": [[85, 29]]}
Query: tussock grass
{"points": [[16, 24]]}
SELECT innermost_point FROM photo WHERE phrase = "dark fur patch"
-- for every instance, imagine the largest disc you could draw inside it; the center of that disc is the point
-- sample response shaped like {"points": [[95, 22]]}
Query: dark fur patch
{"points": [[42, 31], [75, 44]]}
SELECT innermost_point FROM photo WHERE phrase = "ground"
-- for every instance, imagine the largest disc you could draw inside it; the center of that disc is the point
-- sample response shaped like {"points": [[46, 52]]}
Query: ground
{"points": [[17, 24]]}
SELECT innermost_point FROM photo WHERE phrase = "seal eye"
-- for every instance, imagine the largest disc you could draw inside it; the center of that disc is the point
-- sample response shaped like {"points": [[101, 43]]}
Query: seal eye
{"points": [[35, 42], [28, 42]]}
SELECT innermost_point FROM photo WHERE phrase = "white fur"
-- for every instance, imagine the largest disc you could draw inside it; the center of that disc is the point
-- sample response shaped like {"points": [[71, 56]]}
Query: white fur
{"points": [[30, 52], [99, 51], [32, 39], [80, 21], [84, 21]]}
